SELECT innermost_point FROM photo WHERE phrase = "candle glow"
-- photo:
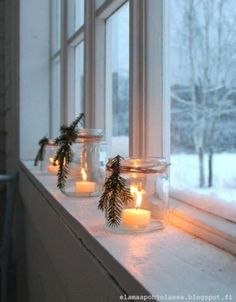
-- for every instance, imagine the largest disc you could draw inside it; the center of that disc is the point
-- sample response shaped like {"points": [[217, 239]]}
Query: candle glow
{"points": [[136, 217], [85, 186], [52, 167]]}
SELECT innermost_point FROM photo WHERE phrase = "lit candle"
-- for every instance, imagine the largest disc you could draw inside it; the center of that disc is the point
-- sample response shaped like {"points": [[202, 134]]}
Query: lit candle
{"points": [[136, 217], [85, 186], [52, 168]]}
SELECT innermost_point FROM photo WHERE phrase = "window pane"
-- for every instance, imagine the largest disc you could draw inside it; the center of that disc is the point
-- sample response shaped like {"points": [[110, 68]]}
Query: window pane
{"points": [[56, 98], [203, 98], [75, 15], [99, 3], [79, 78], [56, 25], [117, 81]]}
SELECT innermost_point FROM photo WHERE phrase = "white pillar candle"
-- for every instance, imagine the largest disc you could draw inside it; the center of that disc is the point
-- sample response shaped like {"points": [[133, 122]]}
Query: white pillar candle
{"points": [[52, 169], [85, 186], [136, 217]]}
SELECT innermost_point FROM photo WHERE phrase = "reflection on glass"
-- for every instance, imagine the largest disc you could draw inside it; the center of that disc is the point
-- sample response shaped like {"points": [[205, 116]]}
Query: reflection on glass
{"points": [[56, 98], [117, 81], [79, 78], [203, 99], [56, 25], [75, 15]]}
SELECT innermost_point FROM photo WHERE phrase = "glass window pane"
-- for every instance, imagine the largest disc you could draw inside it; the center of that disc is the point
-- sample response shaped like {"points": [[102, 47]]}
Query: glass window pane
{"points": [[203, 99], [117, 81], [79, 78], [56, 98], [75, 15], [99, 3], [56, 25]]}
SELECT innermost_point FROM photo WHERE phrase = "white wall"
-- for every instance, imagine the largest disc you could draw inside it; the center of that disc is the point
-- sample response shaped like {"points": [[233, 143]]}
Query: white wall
{"points": [[34, 75]]}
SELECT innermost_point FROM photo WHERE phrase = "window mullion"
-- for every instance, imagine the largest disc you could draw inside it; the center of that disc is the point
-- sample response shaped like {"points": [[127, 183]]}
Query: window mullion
{"points": [[50, 67], [64, 64], [89, 63], [157, 102], [137, 78], [100, 73]]}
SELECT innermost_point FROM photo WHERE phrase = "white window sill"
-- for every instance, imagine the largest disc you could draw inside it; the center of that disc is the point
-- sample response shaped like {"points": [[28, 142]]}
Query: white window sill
{"points": [[207, 226], [207, 202], [169, 262]]}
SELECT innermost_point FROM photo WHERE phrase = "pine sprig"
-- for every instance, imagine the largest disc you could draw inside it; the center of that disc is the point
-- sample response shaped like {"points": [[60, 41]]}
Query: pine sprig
{"points": [[116, 194], [64, 155], [40, 155]]}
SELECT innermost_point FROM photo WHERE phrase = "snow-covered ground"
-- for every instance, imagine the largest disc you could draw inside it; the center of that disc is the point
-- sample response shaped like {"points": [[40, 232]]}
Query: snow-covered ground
{"points": [[184, 174]]}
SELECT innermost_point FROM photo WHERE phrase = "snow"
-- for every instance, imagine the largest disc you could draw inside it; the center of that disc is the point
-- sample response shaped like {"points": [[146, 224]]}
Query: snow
{"points": [[184, 174], [221, 198]]}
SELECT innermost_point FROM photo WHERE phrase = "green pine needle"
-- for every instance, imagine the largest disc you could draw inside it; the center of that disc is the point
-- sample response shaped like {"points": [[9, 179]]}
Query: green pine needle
{"points": [[116, 194], [64, 155], [41, 152]]}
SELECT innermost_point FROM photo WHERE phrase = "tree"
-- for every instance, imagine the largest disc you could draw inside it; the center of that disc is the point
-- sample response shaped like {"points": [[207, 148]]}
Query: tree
{"points": [[207, 36]]}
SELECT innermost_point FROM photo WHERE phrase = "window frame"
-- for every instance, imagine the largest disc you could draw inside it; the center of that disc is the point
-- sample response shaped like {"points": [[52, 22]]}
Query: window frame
{"points": [[101, 120], [149, 96], [66, 53]]}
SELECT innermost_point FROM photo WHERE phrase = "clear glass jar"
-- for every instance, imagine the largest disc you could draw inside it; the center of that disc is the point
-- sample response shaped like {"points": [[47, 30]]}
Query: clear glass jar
{"points": [[47, 165], [147, 179], [87, 169]]}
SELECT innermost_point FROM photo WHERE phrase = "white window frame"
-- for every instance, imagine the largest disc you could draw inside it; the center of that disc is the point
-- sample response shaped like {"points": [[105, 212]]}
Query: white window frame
{"points": [[148, 93], [53, 55], [101, 119], [146, 90], [66, 53]]}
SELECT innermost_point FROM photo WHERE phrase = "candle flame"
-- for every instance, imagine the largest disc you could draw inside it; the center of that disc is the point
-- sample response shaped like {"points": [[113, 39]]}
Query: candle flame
{"points": [[51, 160], [84, 174], [133, 190], [136, 193], [138, 200]]}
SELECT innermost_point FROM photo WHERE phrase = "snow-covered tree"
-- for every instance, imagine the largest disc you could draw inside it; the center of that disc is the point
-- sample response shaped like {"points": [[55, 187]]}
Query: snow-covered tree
{"points": [[206, 98]]}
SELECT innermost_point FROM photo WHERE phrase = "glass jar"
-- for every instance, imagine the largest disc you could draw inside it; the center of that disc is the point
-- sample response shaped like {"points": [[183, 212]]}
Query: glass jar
{"points": [[47, 165], [147, 179], [87, 169]]}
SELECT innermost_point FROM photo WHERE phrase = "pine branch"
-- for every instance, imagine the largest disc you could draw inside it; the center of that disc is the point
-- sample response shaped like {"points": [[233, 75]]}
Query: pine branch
{"points": [[79, 120], [40, 155], [116, 194], [64, 155]]}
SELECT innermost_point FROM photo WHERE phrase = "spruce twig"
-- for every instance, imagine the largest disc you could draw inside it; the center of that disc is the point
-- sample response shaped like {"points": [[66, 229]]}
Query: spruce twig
{"points": [[40, 155], [64, 155], [116, 194]]}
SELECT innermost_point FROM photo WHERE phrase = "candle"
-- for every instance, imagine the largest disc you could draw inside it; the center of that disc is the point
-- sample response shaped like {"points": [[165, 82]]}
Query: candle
{"points": [[136, 217], [85, 186], [52, 168]]}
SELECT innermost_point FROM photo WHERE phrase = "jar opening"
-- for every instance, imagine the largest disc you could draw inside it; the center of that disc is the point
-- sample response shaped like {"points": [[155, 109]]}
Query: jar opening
{"points": [[89, 135], [51, 142], [147, 165]]}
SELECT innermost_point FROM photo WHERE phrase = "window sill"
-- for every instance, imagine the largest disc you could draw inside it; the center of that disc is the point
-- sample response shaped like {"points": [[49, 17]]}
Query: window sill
{"points": [[209, 227], [168, 262]]}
